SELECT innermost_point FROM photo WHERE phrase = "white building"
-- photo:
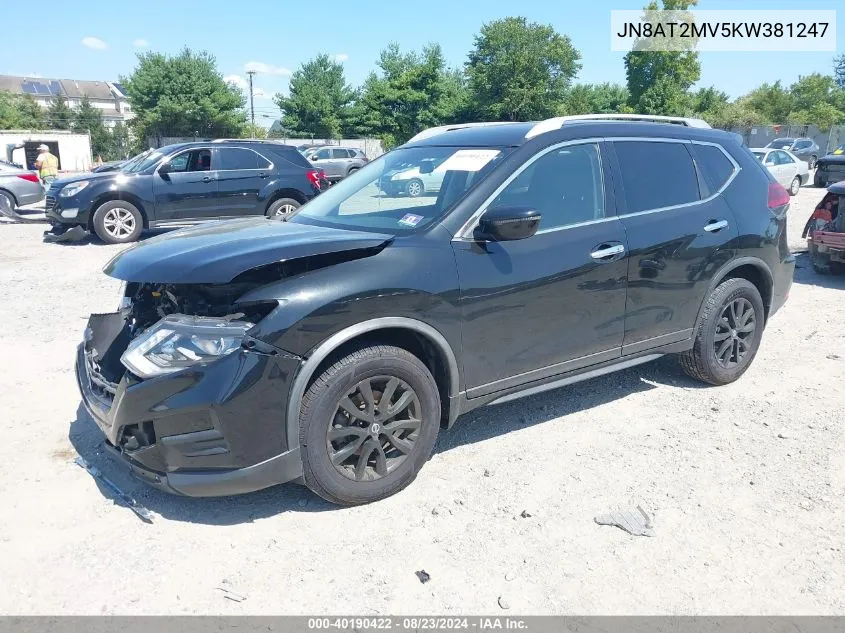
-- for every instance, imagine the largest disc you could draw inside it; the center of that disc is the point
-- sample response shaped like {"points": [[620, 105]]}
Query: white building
{"points": [[108, 97]]}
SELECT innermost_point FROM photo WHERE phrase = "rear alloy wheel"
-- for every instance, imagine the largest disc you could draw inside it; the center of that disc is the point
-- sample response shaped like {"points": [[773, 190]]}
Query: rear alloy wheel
{"points": [[118, 222], [812, 162], [795, 186], [729, 332], [282, 208], [415, 188], [368, 424]]}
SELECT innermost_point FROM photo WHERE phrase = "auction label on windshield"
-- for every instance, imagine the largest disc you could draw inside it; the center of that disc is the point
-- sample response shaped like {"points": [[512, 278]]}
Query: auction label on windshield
{"points": [[740, 30], [467, 160]]}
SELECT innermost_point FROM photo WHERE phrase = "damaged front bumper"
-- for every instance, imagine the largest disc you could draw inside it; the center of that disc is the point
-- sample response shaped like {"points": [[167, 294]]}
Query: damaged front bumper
{"points": [[211, 430]]}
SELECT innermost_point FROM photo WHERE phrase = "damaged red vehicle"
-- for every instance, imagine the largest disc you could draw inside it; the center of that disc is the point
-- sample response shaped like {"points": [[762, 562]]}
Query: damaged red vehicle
{"points": [[825, 232]]}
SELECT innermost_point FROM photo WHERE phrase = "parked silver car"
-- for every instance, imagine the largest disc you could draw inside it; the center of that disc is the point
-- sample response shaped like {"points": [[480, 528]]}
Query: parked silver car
{"points": [[804, 148], [20, 186], [789, 170], [336, 162]]}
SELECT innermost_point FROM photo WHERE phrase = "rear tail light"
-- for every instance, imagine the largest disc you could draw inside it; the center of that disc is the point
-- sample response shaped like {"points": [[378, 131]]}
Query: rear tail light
{"points": [[29, 177], [315, 176], [778, 196]]}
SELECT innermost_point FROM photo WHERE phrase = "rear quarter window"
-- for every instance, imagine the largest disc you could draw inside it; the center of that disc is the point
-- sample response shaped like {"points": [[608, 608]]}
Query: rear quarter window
{"points": [[293, 156], [714, 167], [656, 174]]}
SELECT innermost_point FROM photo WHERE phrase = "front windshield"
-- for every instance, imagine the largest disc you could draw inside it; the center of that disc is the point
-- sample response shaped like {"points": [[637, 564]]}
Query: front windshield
{"points": [[404, 190], [129, 164], [137, 166]]}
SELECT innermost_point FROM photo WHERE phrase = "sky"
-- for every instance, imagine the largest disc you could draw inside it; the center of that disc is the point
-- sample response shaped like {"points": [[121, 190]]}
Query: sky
{"points": [[99, 41]]}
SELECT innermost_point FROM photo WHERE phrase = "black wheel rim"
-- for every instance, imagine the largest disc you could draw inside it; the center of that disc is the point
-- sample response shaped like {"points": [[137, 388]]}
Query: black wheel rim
{"points": [[375, 428], [734, 332]]}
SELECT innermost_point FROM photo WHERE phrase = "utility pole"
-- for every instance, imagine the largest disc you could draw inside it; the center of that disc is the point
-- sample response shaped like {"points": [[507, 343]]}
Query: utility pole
{"points": [[251, 104]]}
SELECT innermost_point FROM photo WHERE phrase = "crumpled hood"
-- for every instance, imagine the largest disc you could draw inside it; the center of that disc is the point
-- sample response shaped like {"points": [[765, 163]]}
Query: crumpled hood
{"points": [[217, 252]]}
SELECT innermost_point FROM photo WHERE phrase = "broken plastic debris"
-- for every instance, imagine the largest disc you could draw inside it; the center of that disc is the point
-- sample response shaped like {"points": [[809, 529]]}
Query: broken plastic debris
{"points": [[423, 575], [130, 502], [634, 521], [231, 595], [73, 234]]}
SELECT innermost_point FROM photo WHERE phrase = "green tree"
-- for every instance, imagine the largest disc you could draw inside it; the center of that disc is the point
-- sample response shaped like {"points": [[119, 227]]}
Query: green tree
{"points": [[59, 115], [20, 112], [812, 90], [665, 97], [675, 71], [520, 70], [319, 97], [604, 98], [412, 92], [839, 70], [254, 131], [120, 144], [88, 119], [183, 95], [772, 101]]}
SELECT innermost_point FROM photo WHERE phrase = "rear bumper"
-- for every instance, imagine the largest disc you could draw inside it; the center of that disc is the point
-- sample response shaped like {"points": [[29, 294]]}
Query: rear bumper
{"points": [[216, 430], [30, 197], [828, 173]]}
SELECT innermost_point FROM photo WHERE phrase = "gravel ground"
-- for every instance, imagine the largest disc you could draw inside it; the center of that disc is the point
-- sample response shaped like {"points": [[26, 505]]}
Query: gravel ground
{"points": [[745, 484]]}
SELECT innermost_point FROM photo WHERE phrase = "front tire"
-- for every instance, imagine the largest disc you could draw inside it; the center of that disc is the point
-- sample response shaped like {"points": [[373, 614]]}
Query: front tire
{"points": [[282, 208], [728, 335], [118, 222], [368, 424], [795, 186]]}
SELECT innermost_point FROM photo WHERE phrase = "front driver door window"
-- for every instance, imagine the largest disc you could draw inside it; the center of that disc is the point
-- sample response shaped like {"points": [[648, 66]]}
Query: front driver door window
{"points": [[188, 189], [545, 305]]}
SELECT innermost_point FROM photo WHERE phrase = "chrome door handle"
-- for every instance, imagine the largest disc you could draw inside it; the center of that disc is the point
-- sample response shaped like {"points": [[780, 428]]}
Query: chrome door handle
{"points": [[715, 225], [609, 251]]}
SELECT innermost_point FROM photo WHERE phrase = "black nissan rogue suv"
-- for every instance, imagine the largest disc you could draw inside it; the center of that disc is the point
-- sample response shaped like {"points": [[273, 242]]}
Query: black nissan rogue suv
{"points": [[332, 347], [184, 184]]}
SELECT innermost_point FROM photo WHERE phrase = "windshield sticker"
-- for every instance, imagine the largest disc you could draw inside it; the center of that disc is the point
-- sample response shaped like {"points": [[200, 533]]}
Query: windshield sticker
{"points": [[467, 160], [409, 219]]}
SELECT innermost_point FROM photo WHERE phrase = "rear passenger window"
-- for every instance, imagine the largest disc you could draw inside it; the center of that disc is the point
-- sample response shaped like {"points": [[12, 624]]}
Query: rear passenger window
{"points": [[656, 174], [713, 166], [237, 158]]}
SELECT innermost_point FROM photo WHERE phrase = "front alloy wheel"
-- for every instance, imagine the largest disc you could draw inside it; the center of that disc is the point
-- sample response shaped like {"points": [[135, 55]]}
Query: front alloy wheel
{"points": [[367, 424], [374, 429]]}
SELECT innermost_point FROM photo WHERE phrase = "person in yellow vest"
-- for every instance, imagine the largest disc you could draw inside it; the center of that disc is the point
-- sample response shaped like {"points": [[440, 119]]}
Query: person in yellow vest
{"points": [[46, 164]]}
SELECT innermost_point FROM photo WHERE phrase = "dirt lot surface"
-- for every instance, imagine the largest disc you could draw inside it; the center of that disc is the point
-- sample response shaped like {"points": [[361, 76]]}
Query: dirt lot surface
{"points": [[745, 484]]}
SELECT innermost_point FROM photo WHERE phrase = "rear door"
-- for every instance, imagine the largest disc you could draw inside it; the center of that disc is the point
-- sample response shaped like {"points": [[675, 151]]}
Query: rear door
{"points": [[680, 231], [242, 173], [340, 157], [189, 190]]}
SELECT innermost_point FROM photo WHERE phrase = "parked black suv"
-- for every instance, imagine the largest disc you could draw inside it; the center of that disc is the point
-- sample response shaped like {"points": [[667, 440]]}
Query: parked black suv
{"points": [[183, 184], [332, 347]]}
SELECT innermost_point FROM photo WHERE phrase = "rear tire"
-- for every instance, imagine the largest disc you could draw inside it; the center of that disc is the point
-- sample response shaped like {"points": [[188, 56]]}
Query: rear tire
{"points": [[282, 208], [728, 334], [118, 222], [795, 186], [11, 199], [355, 459]]}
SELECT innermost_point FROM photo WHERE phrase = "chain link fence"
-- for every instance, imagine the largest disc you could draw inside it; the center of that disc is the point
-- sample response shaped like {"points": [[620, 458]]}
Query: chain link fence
{"points": [[762, 135]]}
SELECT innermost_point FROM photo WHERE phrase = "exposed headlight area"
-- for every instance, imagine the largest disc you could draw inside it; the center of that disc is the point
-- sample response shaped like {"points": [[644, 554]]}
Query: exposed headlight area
{"points": [[73, 188], [180, 341]]}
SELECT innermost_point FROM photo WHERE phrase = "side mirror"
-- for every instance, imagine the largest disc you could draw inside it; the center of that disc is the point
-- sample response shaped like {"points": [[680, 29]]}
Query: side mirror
{"points": [[164, 169], [426, 167], [313, 158], [503, 224]]}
